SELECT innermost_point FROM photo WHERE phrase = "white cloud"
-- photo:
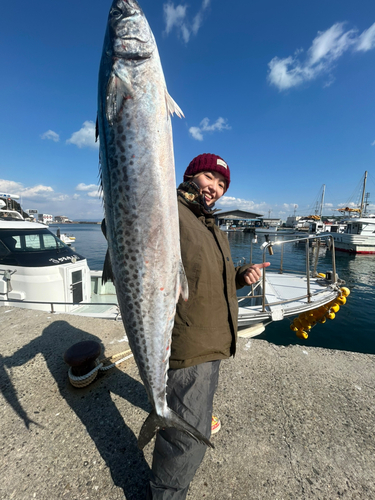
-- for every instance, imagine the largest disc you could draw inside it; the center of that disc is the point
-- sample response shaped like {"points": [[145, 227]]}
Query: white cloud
{"points": [[350, 205], [176, 17], [204, 126], [61, 197], [16, 188], [241, 204], [94, 194], [373, 143], [85, 137], [36, 191], [290, 206], [86, 187], [366, 41], [46, 200], [327, 47], [10, 187], [50, 134]]}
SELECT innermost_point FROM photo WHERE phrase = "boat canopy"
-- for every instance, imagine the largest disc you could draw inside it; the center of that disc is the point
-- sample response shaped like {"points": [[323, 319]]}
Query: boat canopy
{"points": [[33, 248]]}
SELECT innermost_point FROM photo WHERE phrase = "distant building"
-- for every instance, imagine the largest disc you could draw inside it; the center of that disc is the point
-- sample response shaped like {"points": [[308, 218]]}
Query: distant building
{"points": [[292, 221], [45, 218], [268, 222], [61, 219]]}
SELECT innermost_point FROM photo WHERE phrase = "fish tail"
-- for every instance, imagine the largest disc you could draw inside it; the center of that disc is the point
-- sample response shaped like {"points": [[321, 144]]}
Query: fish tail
{"points": [[154, 422]]}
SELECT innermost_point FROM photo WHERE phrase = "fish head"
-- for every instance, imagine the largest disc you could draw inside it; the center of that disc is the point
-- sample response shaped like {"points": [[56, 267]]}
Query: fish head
{"points": [[130, 33]]}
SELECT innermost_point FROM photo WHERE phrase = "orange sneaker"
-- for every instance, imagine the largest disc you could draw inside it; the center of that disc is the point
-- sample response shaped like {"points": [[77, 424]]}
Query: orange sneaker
{"points": [[215, 425]]}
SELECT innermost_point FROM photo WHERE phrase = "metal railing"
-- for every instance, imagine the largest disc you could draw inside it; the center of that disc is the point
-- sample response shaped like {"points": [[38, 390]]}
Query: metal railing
{"points": [[267, 246]]}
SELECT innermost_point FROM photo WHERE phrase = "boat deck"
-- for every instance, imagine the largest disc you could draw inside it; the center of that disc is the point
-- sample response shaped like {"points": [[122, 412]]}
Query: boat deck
{"points": [[104, 306], [286, 295]]}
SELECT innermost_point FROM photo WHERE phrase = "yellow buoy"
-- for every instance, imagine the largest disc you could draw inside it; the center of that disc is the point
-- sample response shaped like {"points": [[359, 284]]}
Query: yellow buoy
{"points": [[341, 300], [335, 308], [321, 311], [345, 291], [317, 315], [293, 328], [331, 315], [298, 324], [305, 322], [302, 334], [322, 320]]}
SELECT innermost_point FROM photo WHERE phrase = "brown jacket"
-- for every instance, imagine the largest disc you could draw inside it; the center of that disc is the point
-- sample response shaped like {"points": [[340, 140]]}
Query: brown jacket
{"points": [[205, 326]]}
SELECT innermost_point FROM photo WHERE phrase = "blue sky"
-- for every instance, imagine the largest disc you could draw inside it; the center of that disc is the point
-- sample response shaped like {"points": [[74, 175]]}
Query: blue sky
{"points": [[283, 91]]}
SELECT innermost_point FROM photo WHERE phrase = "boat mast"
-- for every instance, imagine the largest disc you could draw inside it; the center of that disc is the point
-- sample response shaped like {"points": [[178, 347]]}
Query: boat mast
{"points": [[363, 194], [322, 202]]}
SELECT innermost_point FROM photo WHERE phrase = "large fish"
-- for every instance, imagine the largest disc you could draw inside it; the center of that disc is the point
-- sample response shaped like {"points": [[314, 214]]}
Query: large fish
{"points": [[139, 191]]}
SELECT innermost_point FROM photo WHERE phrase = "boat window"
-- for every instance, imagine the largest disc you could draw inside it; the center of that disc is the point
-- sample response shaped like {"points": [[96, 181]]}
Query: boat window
{"points": [[32, 242], [3, 250]]}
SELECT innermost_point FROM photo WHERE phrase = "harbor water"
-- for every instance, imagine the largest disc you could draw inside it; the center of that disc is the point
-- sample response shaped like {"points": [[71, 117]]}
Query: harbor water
{"points": [[353, 329]]}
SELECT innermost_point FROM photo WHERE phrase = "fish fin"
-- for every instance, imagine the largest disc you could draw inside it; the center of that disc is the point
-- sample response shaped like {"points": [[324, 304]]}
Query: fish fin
{"points": [[172, 106], [107, 274], [155, 422], [97, 129], [184, 287], [117, 92]]}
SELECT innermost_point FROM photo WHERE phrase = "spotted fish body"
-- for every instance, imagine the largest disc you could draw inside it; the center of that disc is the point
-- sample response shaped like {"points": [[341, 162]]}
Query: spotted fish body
{"points": [[139, 191]]}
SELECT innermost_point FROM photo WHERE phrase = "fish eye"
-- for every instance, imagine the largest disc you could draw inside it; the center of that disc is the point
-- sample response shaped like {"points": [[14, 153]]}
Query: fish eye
{"points": [[116, 12]]}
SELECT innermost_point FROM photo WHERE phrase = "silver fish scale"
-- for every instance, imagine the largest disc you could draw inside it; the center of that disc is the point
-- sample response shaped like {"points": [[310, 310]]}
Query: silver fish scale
{"points": [[138, 180]]}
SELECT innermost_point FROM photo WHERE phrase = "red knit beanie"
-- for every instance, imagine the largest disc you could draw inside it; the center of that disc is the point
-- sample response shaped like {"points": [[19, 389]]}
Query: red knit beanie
{"points": [[207, 162]]}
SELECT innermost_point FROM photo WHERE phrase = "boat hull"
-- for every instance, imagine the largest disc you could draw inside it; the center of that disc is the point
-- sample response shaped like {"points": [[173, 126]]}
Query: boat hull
{"points": [[354, 243]]}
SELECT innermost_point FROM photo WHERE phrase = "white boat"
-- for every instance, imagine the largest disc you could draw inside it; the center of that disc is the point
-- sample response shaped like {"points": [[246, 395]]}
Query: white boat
{"points": [[229, 228], [68, 239], [9, 215], [38, 271], [266, 230], [282, 295], [358, 236]]}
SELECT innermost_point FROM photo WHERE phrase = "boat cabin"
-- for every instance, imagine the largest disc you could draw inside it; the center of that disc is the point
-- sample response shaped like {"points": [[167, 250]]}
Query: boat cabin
{"points": [[35, 265]]}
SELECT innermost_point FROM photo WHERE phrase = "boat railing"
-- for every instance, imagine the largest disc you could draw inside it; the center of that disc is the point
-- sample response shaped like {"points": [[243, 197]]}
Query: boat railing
{"points": [[53, 304], [331, 276]]}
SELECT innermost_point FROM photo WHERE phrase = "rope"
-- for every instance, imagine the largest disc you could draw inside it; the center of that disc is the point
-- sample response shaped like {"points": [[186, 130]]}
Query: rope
{"points": [[85, 380]]}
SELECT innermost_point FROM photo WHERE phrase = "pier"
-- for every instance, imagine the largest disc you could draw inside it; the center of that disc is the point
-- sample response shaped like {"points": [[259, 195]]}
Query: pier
{"points": [[297, 422]]}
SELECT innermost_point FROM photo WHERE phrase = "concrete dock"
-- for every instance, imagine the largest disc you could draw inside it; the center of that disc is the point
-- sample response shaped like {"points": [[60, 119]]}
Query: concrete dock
{"points": [[297, 422]]}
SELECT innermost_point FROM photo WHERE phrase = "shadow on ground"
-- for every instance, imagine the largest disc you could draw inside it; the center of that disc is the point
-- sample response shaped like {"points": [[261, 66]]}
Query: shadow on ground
{"points": [[114, 440]]}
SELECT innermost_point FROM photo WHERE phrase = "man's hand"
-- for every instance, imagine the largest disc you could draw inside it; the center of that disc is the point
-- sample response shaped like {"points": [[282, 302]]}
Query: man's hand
{"points": [[254, 273]]}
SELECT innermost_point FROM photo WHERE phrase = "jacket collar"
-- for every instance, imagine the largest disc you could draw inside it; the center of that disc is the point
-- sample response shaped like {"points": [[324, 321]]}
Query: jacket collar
{"points": [[190, 193]]}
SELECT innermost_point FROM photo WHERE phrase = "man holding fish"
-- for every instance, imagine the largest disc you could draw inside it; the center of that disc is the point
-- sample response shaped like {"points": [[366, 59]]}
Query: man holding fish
{"points": [[162, 251], [205, 326]]}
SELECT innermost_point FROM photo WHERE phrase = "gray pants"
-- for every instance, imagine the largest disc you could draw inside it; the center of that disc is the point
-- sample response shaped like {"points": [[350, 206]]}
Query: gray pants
{"points": [[177, 456]]}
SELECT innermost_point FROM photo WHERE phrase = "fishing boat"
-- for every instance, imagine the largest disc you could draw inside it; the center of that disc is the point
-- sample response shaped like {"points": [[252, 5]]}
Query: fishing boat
{"points": [[38, 271], [280, 294], [68, 239], [358, 234]]}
